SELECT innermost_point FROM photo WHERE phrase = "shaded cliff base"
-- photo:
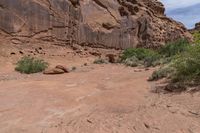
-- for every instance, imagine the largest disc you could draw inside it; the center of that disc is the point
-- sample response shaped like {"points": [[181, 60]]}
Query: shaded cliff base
{"points": [[15, 48]]}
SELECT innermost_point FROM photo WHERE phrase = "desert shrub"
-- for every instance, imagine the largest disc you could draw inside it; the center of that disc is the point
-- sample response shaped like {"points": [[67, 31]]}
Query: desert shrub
{"points": [[152, 60], [140, 53], [142, 56], [187, 66], [132, 61], [196, 36], [99, 61], [30, 65], [174, 48], [163, 72], [182, 67]]}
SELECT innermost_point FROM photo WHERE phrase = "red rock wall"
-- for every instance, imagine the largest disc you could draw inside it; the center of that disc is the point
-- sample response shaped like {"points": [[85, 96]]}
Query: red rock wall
{"points": [[97, 23]]}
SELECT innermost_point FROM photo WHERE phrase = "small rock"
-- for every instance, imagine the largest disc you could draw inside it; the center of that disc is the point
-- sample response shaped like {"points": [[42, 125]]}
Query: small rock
{"points": [[111, 58], [74, 68], [74, 48], [108, 26], [194, 113], [89, 121], [21, 52], [12, 53], [54, 71], [95, 53], [37, 51], [62, 68], [79, 51], [146, 125], [138, 70]]}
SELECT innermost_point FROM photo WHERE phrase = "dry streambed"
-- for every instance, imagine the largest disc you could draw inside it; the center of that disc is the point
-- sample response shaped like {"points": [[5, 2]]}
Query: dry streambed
{"points": [[93, 99]]}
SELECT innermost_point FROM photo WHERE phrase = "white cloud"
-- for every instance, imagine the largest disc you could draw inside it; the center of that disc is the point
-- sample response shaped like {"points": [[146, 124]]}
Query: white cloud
{"points": [[172, 4]]}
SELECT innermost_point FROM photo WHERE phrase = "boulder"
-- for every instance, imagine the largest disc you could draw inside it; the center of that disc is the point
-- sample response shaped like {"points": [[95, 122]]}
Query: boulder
{"points": [[111, 58], [65, 69], [54, 71]]}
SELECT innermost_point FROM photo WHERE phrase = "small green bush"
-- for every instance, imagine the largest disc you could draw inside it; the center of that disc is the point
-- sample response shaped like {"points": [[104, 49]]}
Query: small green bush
{"points": [[99, 61], [142, 56], [174, 48], [152, 60], [187, 65], [163, 72], [132, 61], [196, 36], [140, 53], [30, 65]]}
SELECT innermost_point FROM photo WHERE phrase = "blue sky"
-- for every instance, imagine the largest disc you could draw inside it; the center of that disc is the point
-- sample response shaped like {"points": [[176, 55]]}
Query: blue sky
{"points": [[185, 11], [173, 4]]}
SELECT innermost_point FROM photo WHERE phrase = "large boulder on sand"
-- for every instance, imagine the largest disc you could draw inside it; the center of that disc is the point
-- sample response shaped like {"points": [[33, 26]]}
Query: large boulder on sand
{"points": [[65, 69], [53, 71]]}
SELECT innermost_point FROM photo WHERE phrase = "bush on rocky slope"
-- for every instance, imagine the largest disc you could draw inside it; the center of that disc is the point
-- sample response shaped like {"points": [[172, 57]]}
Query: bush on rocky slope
{"points": [[174, 48], [100, 61], [139, 56], [169, 56], [30, 65], [180, 61], [163, 72], [147, 57], [196, 37], [187, 66], [184, 65]]}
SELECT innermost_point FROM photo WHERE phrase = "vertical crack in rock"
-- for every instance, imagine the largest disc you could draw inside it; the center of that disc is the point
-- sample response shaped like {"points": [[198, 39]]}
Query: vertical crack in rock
{"points": [[103, 6], [53, 12]]}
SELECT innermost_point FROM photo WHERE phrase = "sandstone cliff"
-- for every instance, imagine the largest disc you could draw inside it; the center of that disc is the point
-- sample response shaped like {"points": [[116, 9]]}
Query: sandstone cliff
{"points": [[96, 23]]}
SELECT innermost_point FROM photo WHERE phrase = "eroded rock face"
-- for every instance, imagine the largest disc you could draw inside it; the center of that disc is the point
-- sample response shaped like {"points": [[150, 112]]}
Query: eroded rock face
{"points": [[97, 23]]}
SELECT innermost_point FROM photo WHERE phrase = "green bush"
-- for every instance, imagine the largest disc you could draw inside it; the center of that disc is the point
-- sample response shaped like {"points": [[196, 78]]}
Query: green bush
{"points": [[142, 56], [140, 53], [187, 65], [196, 36], [152, 60], [30, 65], [174, 48], [132, 61], [182, 65], [163, 72], [100, 61]]}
